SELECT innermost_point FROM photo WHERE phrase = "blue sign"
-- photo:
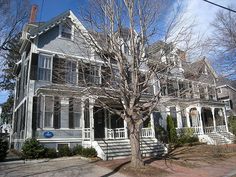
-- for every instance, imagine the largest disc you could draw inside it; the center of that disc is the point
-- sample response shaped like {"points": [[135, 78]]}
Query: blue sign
{"points": [[48, 134]]}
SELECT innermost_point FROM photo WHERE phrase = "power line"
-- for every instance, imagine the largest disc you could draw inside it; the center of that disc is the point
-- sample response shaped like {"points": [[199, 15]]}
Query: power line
{"points": [[220, 6]]}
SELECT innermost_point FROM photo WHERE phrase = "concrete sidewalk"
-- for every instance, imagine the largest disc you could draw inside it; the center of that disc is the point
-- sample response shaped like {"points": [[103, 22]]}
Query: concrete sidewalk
{"points": [[60, 167]]}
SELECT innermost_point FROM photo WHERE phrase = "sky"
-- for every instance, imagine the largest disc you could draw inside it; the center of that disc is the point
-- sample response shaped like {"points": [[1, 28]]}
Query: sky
{"points": [[202, 12]]}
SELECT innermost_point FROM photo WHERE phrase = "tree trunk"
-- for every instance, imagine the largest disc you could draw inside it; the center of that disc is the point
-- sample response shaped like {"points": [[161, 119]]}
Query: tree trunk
{"points": [[136, 156]]}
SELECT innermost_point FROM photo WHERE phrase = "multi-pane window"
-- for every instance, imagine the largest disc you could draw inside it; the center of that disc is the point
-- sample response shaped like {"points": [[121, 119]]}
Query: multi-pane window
{"points": [[71, 72], [49, 106], [74, 113], [66, 31], [88, 74], [44, 67]]}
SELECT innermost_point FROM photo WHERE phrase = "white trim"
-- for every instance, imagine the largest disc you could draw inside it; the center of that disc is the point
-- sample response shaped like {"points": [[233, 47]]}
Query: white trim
{"points": [[221, 86]]}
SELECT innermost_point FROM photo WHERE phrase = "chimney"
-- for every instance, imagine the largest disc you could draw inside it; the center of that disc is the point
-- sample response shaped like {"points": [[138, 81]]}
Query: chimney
{"points": [[33, 13]]}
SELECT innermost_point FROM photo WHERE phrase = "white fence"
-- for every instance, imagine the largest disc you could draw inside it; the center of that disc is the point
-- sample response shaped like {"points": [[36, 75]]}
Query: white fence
{"points": [[209, 129], [86, 133], [117, 133], [221, 128], [147, 132]]}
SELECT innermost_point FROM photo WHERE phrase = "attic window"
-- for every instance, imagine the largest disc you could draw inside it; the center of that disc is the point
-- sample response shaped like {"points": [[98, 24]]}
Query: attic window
{"points": [[66, 31]]}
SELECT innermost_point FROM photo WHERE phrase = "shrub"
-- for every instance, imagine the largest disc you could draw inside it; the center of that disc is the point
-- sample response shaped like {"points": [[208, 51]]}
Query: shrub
{"points": [[77, 150], [32, 149], [3, 149], [187, 136], [89, 152], [161, 134], [64, 151], [171, 131], [232, 124], [50, 153]]}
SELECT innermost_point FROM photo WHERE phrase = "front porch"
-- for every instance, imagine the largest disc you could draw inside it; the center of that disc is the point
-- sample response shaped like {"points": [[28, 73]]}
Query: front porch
{"points": [[208, 122], [100, 124]]}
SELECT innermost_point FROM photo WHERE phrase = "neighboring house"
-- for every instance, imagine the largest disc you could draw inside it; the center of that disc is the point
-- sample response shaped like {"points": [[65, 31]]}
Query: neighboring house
{"points": [[226, 92], [54, 110]]}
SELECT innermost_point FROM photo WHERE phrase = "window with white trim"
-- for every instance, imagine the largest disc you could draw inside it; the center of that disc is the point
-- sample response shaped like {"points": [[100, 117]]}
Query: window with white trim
{"points": [[71, 72], [44, 67], [49, 106], [66, 31], [227, 104]]}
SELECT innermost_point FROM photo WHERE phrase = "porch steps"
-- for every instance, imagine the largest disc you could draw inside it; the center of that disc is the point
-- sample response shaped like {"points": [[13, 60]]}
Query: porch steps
{"points": [[115, 149], [229, 136], [218, 139]]}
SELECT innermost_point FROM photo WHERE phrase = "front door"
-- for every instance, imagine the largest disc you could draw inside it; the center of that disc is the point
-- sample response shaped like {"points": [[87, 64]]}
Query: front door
{"points": [[99, 123]]}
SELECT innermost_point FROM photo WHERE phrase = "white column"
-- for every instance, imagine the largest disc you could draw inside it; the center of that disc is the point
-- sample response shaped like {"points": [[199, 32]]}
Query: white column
{"points": [[105, 116], [187, 117], [179, 117], [226, 121], [214, 119], [82, 117], [152, 124], [91, 105], [199, 109], [126, 129]]}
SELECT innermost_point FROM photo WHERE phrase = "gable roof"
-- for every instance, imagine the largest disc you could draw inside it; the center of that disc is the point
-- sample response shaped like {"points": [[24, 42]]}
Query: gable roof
{"points": [[43, 27]]}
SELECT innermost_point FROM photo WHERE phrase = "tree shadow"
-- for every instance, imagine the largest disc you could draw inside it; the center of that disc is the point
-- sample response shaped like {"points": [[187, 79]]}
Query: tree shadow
{"points": [[116, 169]]}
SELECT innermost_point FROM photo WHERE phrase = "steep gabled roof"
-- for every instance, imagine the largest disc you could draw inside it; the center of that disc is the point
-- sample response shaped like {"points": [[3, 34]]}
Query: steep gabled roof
{"points": [[43, 27]]}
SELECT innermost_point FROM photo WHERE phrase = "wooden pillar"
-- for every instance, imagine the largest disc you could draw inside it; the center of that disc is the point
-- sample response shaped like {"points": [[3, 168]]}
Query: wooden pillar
{"points": [[187, 117], [199, 109], [152, 124], [91, 106], [226, 121], [214, 119], [82, 117]]}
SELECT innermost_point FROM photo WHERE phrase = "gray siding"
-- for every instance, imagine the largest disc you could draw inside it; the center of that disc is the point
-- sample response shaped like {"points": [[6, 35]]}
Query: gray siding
{"points": [[51, 41]]}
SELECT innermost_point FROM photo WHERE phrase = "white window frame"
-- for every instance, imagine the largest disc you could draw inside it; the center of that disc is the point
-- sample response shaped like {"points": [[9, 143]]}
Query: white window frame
{"points": [[44, 112], [45, 67], [72, 31], [219, 90], [227, 104], [69, 72]]}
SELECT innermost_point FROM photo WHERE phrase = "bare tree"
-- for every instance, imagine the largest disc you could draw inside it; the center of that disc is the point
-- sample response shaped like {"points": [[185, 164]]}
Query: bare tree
{"points": [[119, 34], [224, 42]]}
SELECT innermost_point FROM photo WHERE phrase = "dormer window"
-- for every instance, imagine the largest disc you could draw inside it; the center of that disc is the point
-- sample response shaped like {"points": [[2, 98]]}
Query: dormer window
{"points": [[66, 31]]}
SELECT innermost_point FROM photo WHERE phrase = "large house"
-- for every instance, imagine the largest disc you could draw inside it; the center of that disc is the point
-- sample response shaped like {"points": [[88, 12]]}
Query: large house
{"points": [[57, 112]]}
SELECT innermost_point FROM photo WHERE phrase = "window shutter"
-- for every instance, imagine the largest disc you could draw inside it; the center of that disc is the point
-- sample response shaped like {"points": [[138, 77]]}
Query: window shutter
{"points": [[57, 113], [34, 66]]}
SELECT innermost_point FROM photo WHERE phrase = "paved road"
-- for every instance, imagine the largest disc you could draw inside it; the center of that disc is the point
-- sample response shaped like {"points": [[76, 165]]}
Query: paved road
{"points": [[61, 167]]}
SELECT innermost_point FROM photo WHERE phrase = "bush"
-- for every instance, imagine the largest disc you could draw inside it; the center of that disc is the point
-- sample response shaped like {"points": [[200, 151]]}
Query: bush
{"points": [[32, 149], [89, 152], [77, 150], [232, 125], [171, 131], [3, 149], [50, 153], [161, 134], [187, 136], [64, 151]]}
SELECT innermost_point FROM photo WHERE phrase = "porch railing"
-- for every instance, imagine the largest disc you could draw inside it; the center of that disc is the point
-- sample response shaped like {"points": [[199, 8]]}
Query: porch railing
{"points": [[86, 133], [117, 133], [196, 130], [147, 132], [221, 128], [209, 129]]}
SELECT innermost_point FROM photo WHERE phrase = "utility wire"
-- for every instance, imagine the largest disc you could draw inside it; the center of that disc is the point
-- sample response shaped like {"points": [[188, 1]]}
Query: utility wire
{"points": [[220, 6]]}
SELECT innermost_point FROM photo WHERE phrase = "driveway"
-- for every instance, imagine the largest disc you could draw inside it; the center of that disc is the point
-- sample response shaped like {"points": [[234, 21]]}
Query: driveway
{"points": [[71, 166]]}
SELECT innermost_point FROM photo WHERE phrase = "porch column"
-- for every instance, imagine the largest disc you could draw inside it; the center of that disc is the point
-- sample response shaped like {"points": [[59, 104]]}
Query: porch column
{"points": [[126, 129], [91, 105], [152, 124], [226, 120], [179, 117], [199, 109], [82, 118], [187, 117], [214, 119], [106, 117]]}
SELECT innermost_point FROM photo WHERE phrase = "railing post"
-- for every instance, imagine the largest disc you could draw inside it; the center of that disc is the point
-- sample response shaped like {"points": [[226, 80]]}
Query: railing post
{"points": [[126, 129]]}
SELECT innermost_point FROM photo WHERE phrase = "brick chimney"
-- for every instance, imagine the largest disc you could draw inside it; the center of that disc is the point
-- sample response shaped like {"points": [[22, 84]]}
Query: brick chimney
{"points": [[33, 13]]}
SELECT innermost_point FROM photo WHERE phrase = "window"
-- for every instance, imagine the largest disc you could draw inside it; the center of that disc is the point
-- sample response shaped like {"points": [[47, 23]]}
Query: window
{"points": [[71, 72], [74, 113], [66, 31], [57, 113], [89, 74], [219, 90], [44, 67], [48, 121], [227, 104]]}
